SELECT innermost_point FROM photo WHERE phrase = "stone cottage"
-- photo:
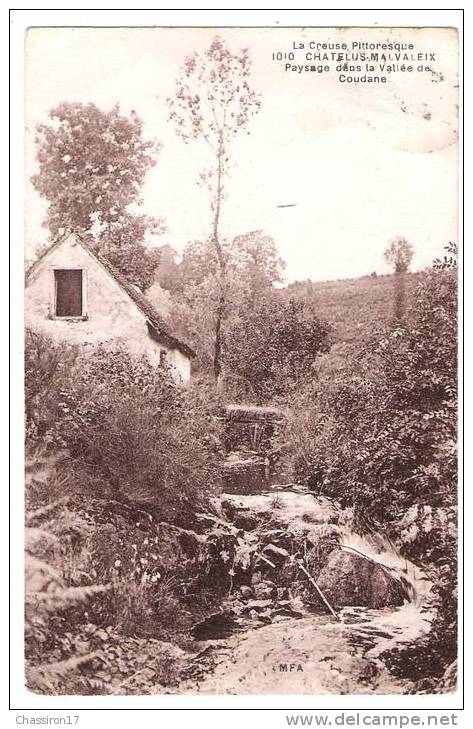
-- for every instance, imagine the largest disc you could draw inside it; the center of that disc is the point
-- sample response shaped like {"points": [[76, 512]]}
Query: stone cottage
{"points": [[75, 295]]}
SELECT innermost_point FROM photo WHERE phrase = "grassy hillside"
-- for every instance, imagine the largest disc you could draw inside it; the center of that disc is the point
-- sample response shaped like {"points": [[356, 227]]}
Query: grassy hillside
{"points": [[354, 307]]}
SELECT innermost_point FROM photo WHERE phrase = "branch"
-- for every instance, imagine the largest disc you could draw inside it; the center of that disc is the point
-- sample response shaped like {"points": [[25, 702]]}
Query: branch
{"points": [[313, 582]]}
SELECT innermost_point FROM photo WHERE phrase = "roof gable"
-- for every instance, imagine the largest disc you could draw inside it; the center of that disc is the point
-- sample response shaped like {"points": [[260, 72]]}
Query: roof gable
{"points": [[156, 325]]}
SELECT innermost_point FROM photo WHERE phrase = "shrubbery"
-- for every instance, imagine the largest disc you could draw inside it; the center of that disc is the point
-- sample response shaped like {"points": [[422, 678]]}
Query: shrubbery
{"points": [[115, 567], [119, 459], [126, 429], [378, 432], [101, 595], [272, 347]]}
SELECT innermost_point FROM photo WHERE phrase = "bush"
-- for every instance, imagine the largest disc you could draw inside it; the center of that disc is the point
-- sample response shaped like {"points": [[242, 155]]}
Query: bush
{"points": [[126, 429], [272, 347], [378, 432], [56, 654], [104, 581]]}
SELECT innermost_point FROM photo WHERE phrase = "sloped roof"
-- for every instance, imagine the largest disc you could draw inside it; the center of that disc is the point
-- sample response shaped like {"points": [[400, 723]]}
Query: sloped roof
{"points": [[156, 325]]}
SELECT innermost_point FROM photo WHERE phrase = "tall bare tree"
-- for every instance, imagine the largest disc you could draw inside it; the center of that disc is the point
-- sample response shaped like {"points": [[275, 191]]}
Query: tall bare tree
{"points": [[213, 101]]}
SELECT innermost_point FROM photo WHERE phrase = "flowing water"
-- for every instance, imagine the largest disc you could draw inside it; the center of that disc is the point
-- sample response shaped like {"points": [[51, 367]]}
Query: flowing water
{"points": [[319, 653]]}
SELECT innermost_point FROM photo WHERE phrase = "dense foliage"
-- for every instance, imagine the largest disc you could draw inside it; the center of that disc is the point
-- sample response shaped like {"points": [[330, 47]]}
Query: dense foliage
{"points": [[120, 460], [125, 428], [273, 347], [106, 585], [268, 340], [122, 561], [390, 414], [378, 431], [92, 166]]}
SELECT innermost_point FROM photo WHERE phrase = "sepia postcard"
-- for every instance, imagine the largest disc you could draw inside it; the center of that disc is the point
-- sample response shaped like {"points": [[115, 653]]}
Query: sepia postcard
{"points": [[241, 286]]}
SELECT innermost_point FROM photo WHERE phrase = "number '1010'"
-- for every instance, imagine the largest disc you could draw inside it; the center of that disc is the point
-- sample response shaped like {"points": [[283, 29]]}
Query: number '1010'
{"points": [[279, 56]]}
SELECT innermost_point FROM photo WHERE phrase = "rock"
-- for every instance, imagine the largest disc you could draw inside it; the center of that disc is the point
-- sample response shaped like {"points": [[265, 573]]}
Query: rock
{"points": [[258, 604], [266, 616], [282, 538], [448, 682], [233, 605], [256, 578], [241, 516], [347, 579], [245, 520], [246, 592], [290, 608], [218, 625], [279, 618], [425, 686], [228, 508], [278, 555], [264, 590]]}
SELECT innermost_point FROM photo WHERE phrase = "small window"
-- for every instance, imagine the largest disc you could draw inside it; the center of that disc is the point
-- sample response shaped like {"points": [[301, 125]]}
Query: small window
{"points": [[68, 292]]}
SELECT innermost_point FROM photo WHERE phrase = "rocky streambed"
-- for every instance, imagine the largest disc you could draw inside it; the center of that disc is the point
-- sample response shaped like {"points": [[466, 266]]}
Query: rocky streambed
{"points": [[309, 606], [316, 654]]}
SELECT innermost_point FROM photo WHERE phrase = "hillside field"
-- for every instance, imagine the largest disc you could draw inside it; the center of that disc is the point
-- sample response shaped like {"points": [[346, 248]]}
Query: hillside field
{"points": [[354, 307]]}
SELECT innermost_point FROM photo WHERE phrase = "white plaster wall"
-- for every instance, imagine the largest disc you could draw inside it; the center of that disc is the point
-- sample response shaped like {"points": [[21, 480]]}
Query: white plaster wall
{"points": [[111, 316], [181, 363]]}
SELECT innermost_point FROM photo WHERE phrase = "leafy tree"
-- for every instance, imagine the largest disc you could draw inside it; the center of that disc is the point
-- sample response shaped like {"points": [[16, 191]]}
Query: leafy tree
{"points": [[254, 258], [275, 345], [252, 265], [450, 261], [385, 426], [92, 166], [213, 102], [161, 300], [399, 254], [122, 244], [194, 307], [168, 274], [199, 262]]}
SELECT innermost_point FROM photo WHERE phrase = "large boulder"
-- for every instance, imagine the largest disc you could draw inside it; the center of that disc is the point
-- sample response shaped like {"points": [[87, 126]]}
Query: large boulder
{"points": [[347, 579]]}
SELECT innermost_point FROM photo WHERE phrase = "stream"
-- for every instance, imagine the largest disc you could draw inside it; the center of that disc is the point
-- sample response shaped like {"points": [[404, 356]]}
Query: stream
{"points": [[317, 653], [312, 655]]}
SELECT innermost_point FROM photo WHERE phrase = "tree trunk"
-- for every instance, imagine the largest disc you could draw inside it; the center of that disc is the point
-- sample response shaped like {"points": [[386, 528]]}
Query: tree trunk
{"points": [[399, 296], [218, 338], [217, 364]]}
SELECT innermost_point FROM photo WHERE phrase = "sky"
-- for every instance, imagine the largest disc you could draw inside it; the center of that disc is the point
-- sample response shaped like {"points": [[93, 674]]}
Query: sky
{"points": [[359, 163]]}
